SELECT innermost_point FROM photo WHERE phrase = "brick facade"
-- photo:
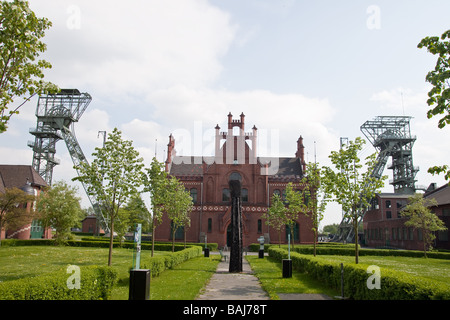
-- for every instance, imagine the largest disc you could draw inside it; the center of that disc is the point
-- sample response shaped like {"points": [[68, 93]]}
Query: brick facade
{"points": [[207, 179], [28, 180], [385, 227]]}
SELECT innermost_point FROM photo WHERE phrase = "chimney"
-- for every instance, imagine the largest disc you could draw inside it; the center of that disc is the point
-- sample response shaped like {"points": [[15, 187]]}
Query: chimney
{"points": [[170, 148], [301, 153]]}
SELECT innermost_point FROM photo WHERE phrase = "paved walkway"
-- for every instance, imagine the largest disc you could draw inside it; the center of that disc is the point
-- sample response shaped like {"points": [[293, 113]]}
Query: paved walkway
{"points": [[224, 285], [233, 286]]}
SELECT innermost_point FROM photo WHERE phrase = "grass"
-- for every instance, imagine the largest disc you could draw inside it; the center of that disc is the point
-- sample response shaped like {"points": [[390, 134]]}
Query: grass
{"points": [[269, 273], [433, 269], [184, 282]]}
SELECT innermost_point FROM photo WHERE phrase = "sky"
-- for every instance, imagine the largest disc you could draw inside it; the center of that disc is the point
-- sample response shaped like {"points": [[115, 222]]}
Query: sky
{"points": [[318, 69]]}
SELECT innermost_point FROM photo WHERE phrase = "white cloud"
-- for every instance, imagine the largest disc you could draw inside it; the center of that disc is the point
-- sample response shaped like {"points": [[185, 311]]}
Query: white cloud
{"points": [[135, 46]]}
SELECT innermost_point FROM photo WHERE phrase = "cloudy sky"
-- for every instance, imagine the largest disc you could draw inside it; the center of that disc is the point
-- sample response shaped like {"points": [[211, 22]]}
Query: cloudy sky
{"points": [[319, 69]]}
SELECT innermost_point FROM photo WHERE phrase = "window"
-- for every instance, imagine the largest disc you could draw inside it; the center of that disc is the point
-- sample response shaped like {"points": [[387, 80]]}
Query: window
{"points": [[443, 235], [388, 214], [209, 225], [277, 191], [411, 233], [226, 195], [388, 204], [179, 233], [446, 212], [244, 195], [394, 234], [400, 203], [399, 234], [235, 175], [193, 193], [296, 232], [405, 235], [259, 226], [419, 234]]}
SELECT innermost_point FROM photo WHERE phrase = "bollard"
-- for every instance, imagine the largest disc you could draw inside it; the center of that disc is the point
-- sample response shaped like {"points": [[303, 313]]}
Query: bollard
{"points": [[139, 284], [287, 268], [261, 254]]}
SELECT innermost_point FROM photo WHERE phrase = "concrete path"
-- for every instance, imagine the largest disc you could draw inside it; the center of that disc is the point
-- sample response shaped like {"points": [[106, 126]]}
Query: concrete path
{"points": [[233, 286]]}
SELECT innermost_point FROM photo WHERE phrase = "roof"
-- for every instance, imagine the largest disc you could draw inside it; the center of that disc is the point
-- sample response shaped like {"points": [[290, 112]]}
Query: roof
{"points": [[278, 167], [18, 175], [441, 194], [187, 166]]}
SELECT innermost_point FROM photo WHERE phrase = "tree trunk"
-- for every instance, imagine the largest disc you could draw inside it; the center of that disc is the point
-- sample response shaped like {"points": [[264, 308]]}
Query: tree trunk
{"points": [[111, 238], [153, 237], [173, 239], [279, 238], [355, 229], [315, 237]]}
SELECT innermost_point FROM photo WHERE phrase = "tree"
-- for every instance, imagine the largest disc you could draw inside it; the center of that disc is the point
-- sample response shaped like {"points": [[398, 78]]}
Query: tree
{"points": [[439, 78], [331, 228], [156, 182], [276, 215], [178, 206], [423, 219], [138, 212], [295, 205], [352, 187], [60, 208], [20, 45], [113, 177], [14, 209], [314, 191]]}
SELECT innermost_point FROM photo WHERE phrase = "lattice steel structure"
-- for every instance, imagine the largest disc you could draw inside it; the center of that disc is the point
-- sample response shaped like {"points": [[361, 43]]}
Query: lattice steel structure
{"points": [[56, 115], [391, 136]]}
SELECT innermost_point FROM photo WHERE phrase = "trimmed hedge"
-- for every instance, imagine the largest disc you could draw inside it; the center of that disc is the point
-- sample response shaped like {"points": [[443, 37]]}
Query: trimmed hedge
{"points": [[394, 285], [350, 251], [104, 243], [96, 283], [158, 264]]}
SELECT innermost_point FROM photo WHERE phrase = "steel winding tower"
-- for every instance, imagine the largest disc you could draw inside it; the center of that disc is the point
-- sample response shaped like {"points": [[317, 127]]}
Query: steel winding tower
{"points": [[56, 115], [391, 136]]}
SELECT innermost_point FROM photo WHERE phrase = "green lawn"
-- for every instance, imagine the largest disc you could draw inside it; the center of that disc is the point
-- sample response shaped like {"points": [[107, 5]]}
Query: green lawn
{"points": [[434, 269], [269, 273], [184, 282]]}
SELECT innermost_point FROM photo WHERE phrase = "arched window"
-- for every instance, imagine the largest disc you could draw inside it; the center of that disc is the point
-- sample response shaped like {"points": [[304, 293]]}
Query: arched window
{"points": [[277, 191], [235, 176], [193, 193]]}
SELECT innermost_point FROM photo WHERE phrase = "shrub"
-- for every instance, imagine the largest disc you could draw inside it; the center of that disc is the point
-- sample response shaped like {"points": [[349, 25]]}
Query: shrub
{"points": [[95, 283], [158, 264], [395, 285]]}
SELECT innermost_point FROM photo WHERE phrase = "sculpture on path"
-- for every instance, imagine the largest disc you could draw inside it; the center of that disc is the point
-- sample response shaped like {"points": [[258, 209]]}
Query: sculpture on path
{"points": [[236, 227]]}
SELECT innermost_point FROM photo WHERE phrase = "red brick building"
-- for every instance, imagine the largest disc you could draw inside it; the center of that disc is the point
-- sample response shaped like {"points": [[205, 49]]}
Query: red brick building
{"points": [[27, 179], [207, 179], [384, 225]]}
